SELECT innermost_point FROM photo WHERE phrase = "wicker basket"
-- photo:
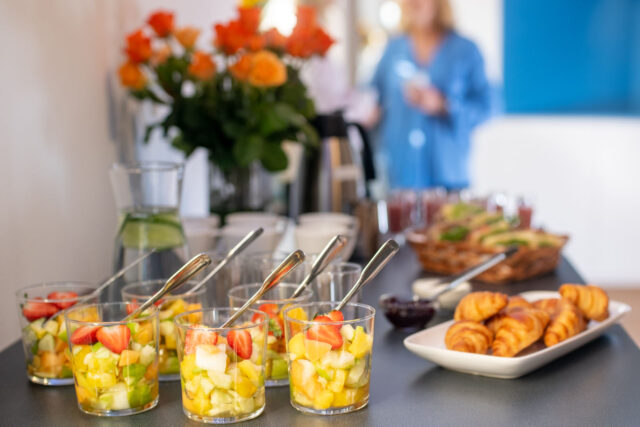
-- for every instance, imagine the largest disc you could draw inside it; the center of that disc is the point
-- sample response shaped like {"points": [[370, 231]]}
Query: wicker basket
{"points": [[449, 258]]}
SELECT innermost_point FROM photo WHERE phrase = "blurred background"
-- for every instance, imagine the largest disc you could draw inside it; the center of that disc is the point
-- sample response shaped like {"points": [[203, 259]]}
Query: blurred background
{"points": [[565, 125]]}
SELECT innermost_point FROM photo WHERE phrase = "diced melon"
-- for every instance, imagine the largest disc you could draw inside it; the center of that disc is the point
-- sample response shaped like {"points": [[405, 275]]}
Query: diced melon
{"points": [[347, 332], [147, 355], [221, 402], [315, 350], [36, 327], [119, 396], [361, 344], [338, 360], [209, 358], [302, 371], [296, 345], [62, 332], [279, 369], [356, 373], [243, 404], [127, 357], [301, 398], [47, 343], [51, 326], [206, 385], [167, 328], [220, 379]]}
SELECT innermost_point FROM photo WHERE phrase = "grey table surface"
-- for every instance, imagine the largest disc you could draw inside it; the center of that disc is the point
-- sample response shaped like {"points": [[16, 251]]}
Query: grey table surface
{"points": [[596, 385]]}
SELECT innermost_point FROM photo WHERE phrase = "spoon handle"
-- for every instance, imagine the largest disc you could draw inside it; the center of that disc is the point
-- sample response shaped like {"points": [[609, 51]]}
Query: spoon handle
{"points": [[330, 251], [474, 271], [291, 262], [371, 270], [235, 251], [187, 271]]}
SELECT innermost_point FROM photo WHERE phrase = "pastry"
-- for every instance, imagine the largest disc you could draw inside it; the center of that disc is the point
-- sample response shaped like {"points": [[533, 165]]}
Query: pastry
{"points": [[517, 330], [514, 302], [550, 305], [470, 337], [592, 301], [479, 306], [566, 321]]}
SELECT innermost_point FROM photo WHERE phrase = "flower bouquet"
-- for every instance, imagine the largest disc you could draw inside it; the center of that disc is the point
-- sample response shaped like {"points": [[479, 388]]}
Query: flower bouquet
{"points": [[240, 99]]}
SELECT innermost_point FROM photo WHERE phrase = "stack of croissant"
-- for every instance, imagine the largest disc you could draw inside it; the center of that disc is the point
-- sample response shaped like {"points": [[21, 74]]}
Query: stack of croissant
{"points": [[507, 325]]}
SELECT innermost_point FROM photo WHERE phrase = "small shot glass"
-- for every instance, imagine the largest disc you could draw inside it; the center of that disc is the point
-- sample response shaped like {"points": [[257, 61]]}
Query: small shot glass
{"points": [[44, 332], [115, 362], [329, 357], [222, 369], [168, 307], [335, 281], [273, 303]]}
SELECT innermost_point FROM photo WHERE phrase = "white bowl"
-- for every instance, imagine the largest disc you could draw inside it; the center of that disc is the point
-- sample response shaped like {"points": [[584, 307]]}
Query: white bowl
{"points": [[255, 219], [201, 239], [327, 218], [312, 238], [267, 242], [200, 222]]}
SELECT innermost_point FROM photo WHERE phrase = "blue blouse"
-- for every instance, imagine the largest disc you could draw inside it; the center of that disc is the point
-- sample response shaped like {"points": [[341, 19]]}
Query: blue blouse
{"points": [[422, 150]]}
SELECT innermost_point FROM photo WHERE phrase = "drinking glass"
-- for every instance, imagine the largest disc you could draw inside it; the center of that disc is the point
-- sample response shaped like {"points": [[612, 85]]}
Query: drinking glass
{"points": [[222, 369], [169, 306], [45, 341], [336, 281], [115, 361], [329, 359], [273, 303], [432, 200], [147, 197], [401, 210]]}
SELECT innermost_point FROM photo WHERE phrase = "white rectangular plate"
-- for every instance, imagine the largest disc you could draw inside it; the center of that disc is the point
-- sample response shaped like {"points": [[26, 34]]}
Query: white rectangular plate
{"points": [[429, 344]]}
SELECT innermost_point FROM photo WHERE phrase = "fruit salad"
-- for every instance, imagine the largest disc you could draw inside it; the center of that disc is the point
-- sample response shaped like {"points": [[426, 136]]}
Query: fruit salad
{"points": [[329, 363], [44, 333], [115, 365], [222, 370], [168, 308], [276, 367]]}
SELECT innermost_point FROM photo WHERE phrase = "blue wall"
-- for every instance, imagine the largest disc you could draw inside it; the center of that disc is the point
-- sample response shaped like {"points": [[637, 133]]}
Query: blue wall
{"points": [[572, 56]]}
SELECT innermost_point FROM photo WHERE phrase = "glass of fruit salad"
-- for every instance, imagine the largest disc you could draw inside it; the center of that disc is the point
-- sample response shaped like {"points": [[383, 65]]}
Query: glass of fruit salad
{"points": [[115, 362], [222, 369], [44, 333], [168, 307], [329, 356], [273, 303]]}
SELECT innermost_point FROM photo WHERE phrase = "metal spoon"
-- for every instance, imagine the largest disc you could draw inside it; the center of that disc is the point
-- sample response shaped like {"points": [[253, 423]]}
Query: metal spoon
{"points": [[371, 270], [474, 271], [107, 282], [324, 259], [235, 251], [185, 272], [291, 262]]}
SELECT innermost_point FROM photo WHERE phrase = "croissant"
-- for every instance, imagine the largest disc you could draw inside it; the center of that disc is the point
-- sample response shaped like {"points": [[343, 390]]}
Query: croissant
{"points": [[470, 337], [478, 306], [592, 301], [515, 302], [566, 322], [550, 305], [517, 330]]}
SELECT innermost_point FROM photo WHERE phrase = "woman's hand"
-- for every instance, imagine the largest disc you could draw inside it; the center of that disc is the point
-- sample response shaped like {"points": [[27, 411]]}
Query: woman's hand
{"points": [[428, 99]]}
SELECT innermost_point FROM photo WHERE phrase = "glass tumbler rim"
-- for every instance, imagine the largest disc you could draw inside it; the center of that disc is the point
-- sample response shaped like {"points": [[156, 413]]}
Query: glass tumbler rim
{"points": [[305, 293], [351, 267], [56, 284], [150, 316], [178, 319], [168, 297], [142, 167], [371, 315]]}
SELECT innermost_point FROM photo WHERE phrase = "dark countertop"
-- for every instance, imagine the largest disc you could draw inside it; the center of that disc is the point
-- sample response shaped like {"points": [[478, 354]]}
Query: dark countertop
{"points": [[596, 385]]}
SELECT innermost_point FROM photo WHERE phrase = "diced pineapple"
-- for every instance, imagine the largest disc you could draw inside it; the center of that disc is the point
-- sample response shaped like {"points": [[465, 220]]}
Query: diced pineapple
{"points": [[79, 354], [338, 360], [170, 342], [220, 379], [323, 399], [128, 357], [251, 371], [206, 385], [315, 350], [361, 344], [356, 373], [119, 396], [178, 306], [188, 367], [243, 405], [296, 345], [221, 402], [36, 327], [167, 328], [145, 333], [301, 398], [337, 383], [243, 386], [201, 403], [302, 371], [191, 386], [347, 332], [194, 317], [51, 326], [101, 379], [345, 397], [47, 343]]}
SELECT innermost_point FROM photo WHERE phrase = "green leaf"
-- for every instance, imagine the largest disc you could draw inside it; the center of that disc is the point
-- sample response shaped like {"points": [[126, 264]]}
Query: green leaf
{"points": [[248, 149], [275, 328], [455, 234], [274, 158]]}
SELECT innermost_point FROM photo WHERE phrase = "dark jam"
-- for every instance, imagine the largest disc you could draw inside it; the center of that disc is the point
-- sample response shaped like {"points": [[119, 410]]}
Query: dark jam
{"points": [[407, 312]]}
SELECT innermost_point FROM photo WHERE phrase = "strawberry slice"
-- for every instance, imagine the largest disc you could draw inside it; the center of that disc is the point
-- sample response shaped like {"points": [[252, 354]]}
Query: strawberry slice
{"points": [[325, 333], [115, 338], [270, 309], [34, 310], [132, 306], [336, 316], [196, 337], [72, 298], [240, 342], [84, 335]]}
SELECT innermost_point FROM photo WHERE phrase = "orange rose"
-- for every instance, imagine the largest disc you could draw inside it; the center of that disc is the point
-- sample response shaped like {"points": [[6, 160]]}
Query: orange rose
{"points": [[131, 76], [256, 42], [230, 38], [321, 41], [267, 70], [161, 22], [160, 55], [202, 66], [306, 19], [307, 38], [138, 47], [249, 18], [187, 36], [275, 39], [241, 69]]}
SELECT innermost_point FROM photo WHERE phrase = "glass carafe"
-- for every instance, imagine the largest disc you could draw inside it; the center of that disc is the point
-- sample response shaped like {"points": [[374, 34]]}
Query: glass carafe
{"points": [[147, 198]]}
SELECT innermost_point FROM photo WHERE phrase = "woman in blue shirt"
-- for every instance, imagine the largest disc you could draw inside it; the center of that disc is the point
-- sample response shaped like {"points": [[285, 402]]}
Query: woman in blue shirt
{"points": [[432, 93]]}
